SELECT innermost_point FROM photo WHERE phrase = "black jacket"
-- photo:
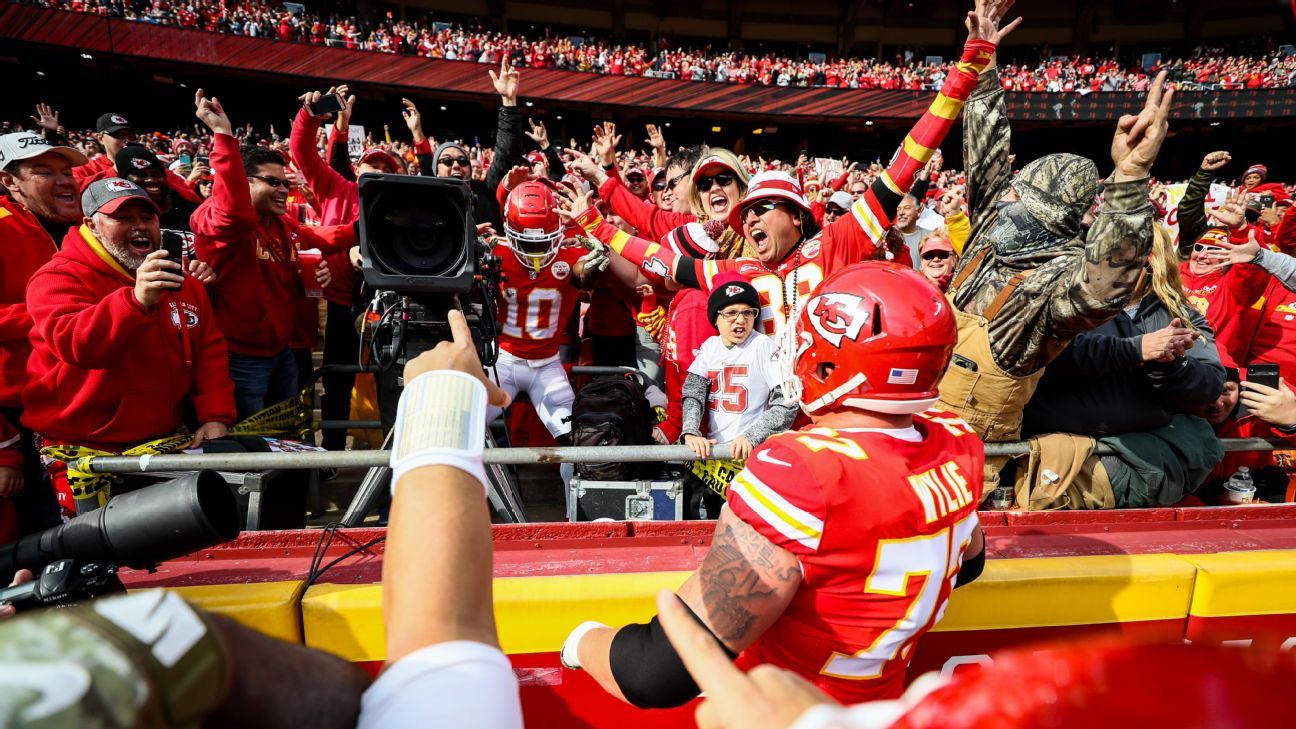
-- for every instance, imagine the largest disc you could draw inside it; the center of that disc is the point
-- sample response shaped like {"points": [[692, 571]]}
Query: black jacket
{"points": [[1100, 385]]}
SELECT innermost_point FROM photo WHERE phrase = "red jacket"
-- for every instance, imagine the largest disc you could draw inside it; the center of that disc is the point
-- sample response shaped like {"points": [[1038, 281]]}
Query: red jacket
{"points": [[107, 373], [339, 199], [27, 247], [101, 167], [644, 216], [258, 290]]}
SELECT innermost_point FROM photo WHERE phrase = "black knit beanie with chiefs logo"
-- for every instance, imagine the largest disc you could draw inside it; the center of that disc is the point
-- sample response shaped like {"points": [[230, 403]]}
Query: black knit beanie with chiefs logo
{"points": [[730, 289]]}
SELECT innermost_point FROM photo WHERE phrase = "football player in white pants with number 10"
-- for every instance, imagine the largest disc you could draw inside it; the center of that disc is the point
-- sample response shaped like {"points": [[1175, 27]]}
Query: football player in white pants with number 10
{"points": [[537, 298]]}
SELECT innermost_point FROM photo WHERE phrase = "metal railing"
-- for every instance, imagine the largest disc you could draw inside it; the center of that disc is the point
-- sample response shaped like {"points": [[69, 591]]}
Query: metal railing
{"points": [[506, 457]]}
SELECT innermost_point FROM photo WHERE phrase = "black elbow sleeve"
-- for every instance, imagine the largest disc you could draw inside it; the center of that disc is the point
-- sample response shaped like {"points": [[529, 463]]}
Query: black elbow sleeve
{"points": [[647, 669], [970, 569]]}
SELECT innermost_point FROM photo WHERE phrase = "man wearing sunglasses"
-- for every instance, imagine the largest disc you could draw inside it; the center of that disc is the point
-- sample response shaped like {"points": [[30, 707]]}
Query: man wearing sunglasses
{"points": [[792, 255], [451, 159], [244, 232], [937, 260], [114, 132]]}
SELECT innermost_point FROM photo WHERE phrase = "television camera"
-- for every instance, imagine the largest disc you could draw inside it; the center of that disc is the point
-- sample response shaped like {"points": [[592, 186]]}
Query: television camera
{"points": [[422, 255]]}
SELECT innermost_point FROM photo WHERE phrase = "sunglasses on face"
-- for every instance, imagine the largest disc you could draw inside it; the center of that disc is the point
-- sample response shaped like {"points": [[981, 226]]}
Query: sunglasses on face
{"points": [[936, 255], [275, 182], [736, 314], [1202, 248], [635, 179], [671, 184], [452, 161], [760, 208], [659, 186], [720, 178], [834, 211]]}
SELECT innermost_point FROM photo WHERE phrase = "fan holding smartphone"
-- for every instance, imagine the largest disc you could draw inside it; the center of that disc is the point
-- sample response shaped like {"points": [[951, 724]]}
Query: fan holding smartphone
{"points": [[1268, 397]]}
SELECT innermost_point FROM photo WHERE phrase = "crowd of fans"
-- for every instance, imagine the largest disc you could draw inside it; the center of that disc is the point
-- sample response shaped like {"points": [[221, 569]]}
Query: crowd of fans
{"points": [[672, 194], [1207, 68], [159, 290]]}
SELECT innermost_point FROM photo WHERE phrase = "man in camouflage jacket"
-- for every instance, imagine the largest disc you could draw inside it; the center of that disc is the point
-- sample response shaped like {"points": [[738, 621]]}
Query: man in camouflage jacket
{"points": [[1031, 222]]}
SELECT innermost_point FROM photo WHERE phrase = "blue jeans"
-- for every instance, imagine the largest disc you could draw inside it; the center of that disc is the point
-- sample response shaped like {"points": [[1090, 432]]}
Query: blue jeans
{"points": [[260, 382]]}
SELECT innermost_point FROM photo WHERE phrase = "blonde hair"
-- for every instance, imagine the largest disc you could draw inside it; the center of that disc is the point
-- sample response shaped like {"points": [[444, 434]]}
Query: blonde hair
{"points": [[1164, 281], [731, 242], [730, 160]]}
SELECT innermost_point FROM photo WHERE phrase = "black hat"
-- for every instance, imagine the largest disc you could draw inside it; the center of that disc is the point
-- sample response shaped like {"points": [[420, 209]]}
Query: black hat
{"points": [[136, 158], [732, 289], [112, 122]]}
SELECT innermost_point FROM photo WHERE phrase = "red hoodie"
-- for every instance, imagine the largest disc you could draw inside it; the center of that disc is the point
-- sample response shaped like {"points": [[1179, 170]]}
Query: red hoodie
{"points": [[27, 247], [339, 199], [258, 287], [109, 374]]}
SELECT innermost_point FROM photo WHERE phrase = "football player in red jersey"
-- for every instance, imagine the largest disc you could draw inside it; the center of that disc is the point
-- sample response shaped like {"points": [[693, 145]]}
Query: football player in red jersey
{"points": [[840, 542], [793, 254], [537, 297]]}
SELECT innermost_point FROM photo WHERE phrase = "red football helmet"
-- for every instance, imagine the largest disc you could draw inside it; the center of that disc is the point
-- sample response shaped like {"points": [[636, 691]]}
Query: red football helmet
{"points": [[887, 334], [532, 225]]}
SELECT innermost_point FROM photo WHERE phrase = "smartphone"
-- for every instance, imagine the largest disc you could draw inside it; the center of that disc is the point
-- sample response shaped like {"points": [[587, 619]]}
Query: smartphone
{"points": [[173, 243], [326, 105], [1263, 374]]}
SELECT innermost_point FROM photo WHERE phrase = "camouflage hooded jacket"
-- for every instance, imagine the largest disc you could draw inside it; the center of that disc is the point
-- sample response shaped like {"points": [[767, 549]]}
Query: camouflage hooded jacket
{"points": [[1072, 288]]}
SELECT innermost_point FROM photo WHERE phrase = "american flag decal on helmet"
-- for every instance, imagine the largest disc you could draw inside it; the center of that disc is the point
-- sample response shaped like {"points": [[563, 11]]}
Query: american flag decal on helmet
{"points": [[902, 377]]}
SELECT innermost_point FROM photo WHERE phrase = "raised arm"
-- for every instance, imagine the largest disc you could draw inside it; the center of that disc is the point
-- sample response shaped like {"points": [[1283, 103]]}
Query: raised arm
{"points": [[508, 130], [1192, 206], [1104, 276]]}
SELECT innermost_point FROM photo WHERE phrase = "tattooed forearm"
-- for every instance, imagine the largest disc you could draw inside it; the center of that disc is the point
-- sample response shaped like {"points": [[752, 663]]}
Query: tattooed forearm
{"points": [[743, 579]]}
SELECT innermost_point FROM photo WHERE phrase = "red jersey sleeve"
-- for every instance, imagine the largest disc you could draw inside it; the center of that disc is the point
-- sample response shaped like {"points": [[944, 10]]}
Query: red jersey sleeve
{"points": [[779, 495]]}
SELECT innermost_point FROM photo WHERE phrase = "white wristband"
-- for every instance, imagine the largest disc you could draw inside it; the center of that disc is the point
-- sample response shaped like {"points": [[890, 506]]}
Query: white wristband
{"points": [[441, 421], [568, 655]]}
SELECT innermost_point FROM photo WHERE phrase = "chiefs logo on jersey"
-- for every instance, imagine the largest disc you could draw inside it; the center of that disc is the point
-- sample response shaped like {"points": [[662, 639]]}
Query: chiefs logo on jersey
{"points": [[837, 316]]}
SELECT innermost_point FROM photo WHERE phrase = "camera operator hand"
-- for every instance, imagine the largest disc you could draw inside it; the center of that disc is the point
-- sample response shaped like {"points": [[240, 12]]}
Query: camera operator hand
{"points": [[21, 577], [459, 355], [155, 276]]}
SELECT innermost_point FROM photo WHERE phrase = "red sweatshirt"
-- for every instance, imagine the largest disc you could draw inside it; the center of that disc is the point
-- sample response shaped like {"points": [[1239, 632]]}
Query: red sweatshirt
{"points": [[1224, 297], [101, 167], [648, 220], [338, 198], [259, 286], [27, 247], [107, 373]]}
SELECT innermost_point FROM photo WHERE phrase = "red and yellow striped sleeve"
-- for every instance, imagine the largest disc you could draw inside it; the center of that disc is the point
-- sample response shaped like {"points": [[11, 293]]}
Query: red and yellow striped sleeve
{"points": [[876, 208]]}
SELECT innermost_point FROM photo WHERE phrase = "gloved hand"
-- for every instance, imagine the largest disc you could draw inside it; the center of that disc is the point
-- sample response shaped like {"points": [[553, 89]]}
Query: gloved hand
{"points": [[597, 260]]}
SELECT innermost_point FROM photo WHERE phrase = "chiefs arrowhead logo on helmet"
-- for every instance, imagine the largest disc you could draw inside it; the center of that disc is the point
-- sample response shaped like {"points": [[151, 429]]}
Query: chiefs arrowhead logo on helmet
{"points": [[838, 316]]}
